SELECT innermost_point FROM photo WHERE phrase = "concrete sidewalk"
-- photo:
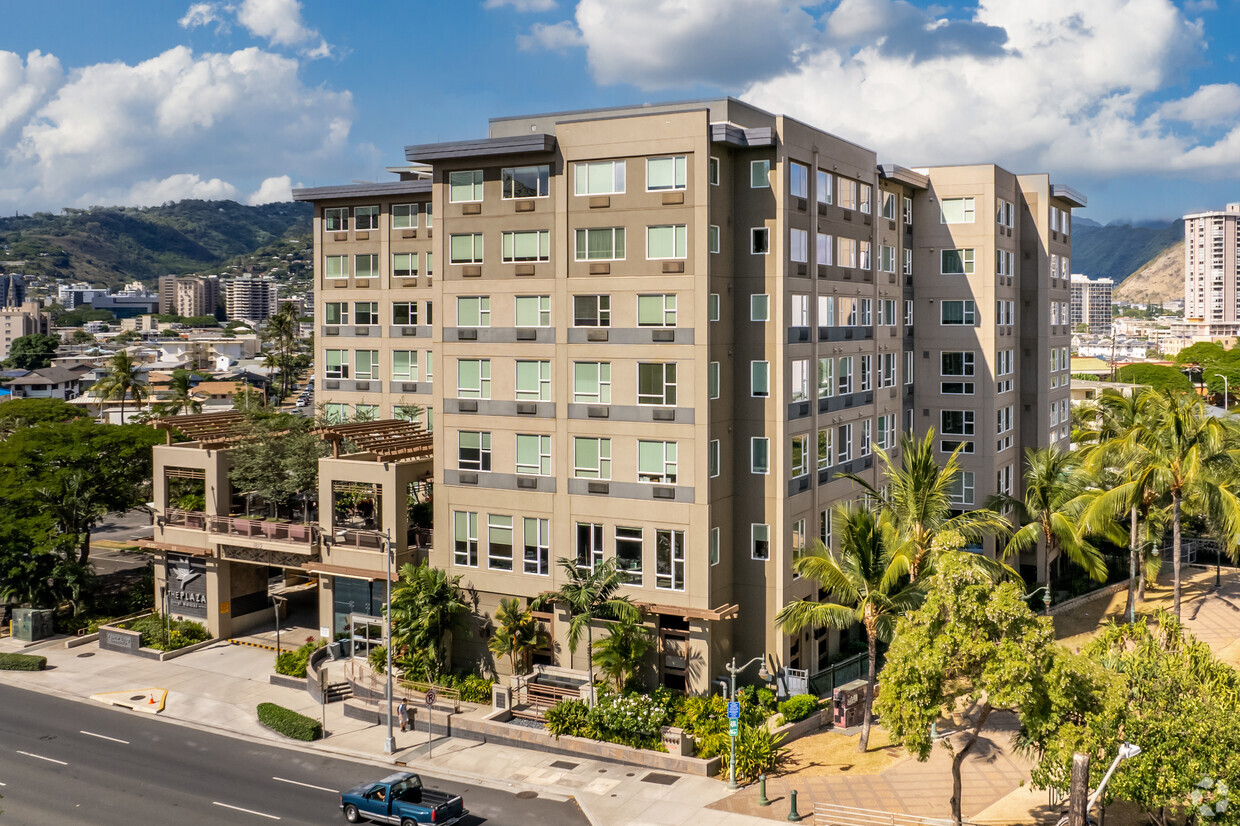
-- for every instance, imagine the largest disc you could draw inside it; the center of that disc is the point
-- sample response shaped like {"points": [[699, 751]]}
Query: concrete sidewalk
{"points": [[218, 687]]}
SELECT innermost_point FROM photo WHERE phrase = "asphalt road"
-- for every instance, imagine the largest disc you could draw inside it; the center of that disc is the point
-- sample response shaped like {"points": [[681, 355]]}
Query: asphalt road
{"points": [[64, 762]]}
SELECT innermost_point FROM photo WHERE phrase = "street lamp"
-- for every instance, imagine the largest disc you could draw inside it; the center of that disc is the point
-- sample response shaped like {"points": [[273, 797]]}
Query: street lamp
{"points": [[763, 675], [389, 745], [1046, 597], [1126, 750]]}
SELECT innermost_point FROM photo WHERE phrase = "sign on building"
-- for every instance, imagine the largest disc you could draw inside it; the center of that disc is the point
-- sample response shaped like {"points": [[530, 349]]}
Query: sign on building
{"points": [[186, 578]]}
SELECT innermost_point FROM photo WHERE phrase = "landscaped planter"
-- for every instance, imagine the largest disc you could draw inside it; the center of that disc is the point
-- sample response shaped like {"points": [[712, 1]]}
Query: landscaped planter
{"points": [[802, 728], [125, 641]]}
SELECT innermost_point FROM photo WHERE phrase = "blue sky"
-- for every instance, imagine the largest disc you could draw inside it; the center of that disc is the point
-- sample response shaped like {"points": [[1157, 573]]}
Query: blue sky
{"points": [[1133, 102]]}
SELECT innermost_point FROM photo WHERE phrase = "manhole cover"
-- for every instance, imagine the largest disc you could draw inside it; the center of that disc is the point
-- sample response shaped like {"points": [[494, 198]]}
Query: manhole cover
{"points": [[86, 654], [137, 697], [526, 795], [564, 764], [660, 779]]}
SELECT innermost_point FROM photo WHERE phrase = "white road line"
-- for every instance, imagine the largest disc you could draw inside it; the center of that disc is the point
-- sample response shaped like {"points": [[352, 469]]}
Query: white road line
{"points": [[4, 784], [41, 757], [307, 785], [103, 737], [247, 811]]}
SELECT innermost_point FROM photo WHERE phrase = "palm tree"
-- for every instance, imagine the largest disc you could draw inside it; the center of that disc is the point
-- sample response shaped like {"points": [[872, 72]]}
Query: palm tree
{"points": [[427, 604], [121, 381], [181, 398], [516, 635], [918, 497], [281, 331], [620, 654], [866, 574], [589, 595], [1055, 499]]}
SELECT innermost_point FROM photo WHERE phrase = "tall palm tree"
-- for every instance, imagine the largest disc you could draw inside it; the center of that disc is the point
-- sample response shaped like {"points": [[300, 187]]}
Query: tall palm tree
{"points": [[281, 332], [620, 654], [590, 595], [1056, 497], [122, 381], [866, 575], [516, 635], [918, 497], [181, 395], [426, 605]]}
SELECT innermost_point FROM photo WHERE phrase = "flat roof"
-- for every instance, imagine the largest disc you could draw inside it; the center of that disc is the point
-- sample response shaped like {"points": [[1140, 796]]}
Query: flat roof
{"points": [[1066, 193], [481, 147], [366, 190]]}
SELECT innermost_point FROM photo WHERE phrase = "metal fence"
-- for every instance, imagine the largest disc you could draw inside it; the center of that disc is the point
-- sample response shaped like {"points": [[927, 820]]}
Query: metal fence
{"points": [[845, 671]]}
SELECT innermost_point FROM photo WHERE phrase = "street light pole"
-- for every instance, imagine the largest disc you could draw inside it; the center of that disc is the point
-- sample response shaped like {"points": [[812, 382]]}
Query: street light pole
{"points": [[389, 745], [733, 671]]}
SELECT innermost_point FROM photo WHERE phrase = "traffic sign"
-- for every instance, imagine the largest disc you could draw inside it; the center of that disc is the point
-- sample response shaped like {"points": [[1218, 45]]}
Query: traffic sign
{"points": [[430, 697], [734, 710], [733, 727]]}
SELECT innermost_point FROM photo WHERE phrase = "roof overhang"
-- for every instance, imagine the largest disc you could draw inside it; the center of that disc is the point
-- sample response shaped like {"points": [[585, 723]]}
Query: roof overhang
{"points": [[733, 135], [480, 148], [903, 175], [1066, 193], [367, 190]]}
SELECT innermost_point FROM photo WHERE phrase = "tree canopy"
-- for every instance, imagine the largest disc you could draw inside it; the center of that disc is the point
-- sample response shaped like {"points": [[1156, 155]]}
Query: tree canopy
{"points": [[1158, 376], [33, 352], [281, 462]]}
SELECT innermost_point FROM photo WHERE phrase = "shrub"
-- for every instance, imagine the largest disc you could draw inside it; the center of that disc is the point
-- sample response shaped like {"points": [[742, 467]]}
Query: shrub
{"points": [[378, 659], [757, 752], [167, 636], [22, 662], [474, 689], [296, 663], [568, 717], [799, 707], [289, 723]]}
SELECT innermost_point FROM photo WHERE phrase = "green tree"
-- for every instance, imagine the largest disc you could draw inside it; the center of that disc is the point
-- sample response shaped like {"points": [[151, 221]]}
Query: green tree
{"points": [[180, 397], [122, 380], [32, 352], [975, 646], [1200, 353], [81, 337], [281, 462], [21, 413], [427, 605], [280, 333], [517, 634], [620, 655], [868, 578], [589, 595], [1158, 376]]}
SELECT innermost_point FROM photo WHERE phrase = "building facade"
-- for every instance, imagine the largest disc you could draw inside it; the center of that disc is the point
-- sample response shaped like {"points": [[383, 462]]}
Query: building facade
{"points": [[659, 334], [1090, 304], [1211, 288], [250, 298], [188, 295], [25, 319], [12, 291]]}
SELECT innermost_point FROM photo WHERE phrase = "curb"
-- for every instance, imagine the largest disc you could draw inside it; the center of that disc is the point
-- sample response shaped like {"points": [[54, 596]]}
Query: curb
{"points": [[261, 645]]}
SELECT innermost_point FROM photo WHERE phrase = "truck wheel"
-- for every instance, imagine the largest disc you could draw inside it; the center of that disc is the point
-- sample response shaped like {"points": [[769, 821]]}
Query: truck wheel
{"points": [[408, 822], [351, 814]]}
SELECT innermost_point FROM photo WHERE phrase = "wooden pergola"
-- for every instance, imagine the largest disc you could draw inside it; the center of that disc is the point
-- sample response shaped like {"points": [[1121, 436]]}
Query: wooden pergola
{"points": [[212, 430], [390, 440]]}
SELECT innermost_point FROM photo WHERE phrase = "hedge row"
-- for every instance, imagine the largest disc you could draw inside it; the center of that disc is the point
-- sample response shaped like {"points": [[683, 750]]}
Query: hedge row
{"points": [[289, 723], [22, 662]]}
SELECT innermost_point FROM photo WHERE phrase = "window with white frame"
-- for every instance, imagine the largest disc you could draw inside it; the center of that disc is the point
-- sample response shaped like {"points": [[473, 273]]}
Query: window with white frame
{"points": [[1004, 427], [887, 369], [336, 219], [712, 171], [526, 246], [473, 311], [534, 454], [956, 211], [404, 216], [826, 447], [825, 186], [798, 180], [889, 205], [473, 378], [848, 252], [366, 365], [533, 381], [658, 310], [589, 545], [591, 311], [712, 380], [954, 312], [760, 379], [366, 265], [499, 542], [366, 313], [465, 539], [760, 536], [957, 364], [656, 383], [826, 377], [866, 261], [429, 210], [849, 311], [656, 462], [713, 552], [537, 550], [1004, 213], [665, 173], [887, 315], [336, 266], [867, 437], [845, 384], [798, 246], [336, 313], [712, 238], [908, 262], [712, 307], [956, 261], [800, 311], [866, 198], [599, 178], [591, 457], [844, 443], [848, 193], [800, 380], [887, 258], [1004, 367], [759, 241], [365, 218], [759, 307], [759, 174], [404, 264], [826, 249], [887, 431], [800, 456], [908, 211], [525, 182], [958, 424], [473, 450], [465, 186], [865, 372], [336, 364], [592, 382], [532, 311], [712, 458], [666, 242], [826, 311], [759, 455], [629, 554], [908, 313], [600, 244], [961, 490], [404, 365], [1003, 481], [465, 248]]}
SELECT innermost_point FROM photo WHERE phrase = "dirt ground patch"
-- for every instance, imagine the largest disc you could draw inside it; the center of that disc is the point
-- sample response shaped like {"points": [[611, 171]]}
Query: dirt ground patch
{"points": [[829, 754], [1077, 627]]}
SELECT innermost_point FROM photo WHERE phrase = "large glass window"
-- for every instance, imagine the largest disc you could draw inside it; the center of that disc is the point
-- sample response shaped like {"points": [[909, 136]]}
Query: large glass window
{"points": [[656, 383], [761, 536], [465, 538], [473, 378], [519, 247], [669, 559], [533, 382], [760, 174], [589, 545], [602, 244], [798, 180], [336, 312], [537, 546], [665, 173], [473, 311], [366, 365], [629, 554], [404, 216], [825, 186], [473, 450], [591, 457], [465, 186], [404, 365], [366, 313], [591, 311], [666, 242], [599, 178], [404, 264], [656, 310], [956, 262], [336, 219], [656, 462], [534, 454], [404, 313], [526, 182], [800, 455], [499, 542], [592, 382], [532, 310], [956, 211], [759, 307], [465, 249], [798, 246], [760, 455], [337, 364], [958, 312], [760, 379], [366, 217], [336, 266]]}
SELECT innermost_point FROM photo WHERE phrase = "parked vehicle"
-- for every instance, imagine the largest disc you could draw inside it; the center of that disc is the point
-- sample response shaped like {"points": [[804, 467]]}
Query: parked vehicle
{"points": [[402, 799]]}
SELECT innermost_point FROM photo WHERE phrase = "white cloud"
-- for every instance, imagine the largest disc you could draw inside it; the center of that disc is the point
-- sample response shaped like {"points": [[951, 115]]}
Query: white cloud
{"points": [[272, 190], [204, 14], [556, 37], [1213, 104], [279, 22], [230, 118], [521, 5]]}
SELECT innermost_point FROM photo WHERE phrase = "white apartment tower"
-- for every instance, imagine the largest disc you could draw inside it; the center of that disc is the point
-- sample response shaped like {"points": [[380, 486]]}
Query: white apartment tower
{"points": [[1211, 288], [1091, 303]]}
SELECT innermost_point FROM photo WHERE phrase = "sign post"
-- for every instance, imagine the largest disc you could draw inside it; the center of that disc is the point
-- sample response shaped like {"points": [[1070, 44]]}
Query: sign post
{"points": [[430, 705], [734, 718]]}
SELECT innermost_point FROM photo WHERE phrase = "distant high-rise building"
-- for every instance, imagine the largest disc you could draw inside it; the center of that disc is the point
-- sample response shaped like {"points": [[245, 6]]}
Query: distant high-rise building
{"points": [[1211, 286], [72, 296], [249, 298], [25, 319], [188, 295], [1091, 303], [12, 290]]}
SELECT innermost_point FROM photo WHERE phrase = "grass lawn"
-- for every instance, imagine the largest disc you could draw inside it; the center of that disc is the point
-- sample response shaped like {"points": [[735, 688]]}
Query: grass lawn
{"points": [[835, 755], [1078, 626]]}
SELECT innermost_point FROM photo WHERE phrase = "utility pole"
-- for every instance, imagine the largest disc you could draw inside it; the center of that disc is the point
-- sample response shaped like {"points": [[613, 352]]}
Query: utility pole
{"points": [[1078, 790]]}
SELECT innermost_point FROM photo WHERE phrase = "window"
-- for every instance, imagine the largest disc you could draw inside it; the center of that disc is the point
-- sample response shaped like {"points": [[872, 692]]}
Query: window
{"points": [[366, 365], [961, 490], [908, 211], [845, 443], [714, 546], [908, 313], [604, 244], [865, 255], [665, 242], [956, 211], [761, 540], [629, 554], [404, 264], [826, 311], [533, 383], [798, 180], [665, 173], [366, 266], [826, 377], [518, 247], [887, 370], [800, 380], [465, 249], [336, 312], [465, 538], [366, 217], [599, 178], [956, 422], [887, 258], [759, 455], [656, 462], [712, 458], [867, 311], [800, 455], [537, 546], [867, 437], [800, 311], [532, 311], [887, 431], [473, 450], [867, 196], [845, 385], [826, 451], [429, 209], [430, 366], [336, 266], [908, 367], [1003, 427], [592, 382], [499, 542], [589, 545], [366, 313], [669, 559], [430, 260], [798, 246], [404, 365], [848, 193], [473, 378], [1004, 213], [712, 171], [957, 312], [956, 262], [591, 311], [465, 186], [336, 219], [1005, 312], [712, 380], [337, 364], [656, 310], [533, 454], [404, 216], [957, 364], [335, 413], [825, 249], [888, 316], [848, 311], [591, 458], [526, 182], [759, 174], [908, 262], [712, 307], [759, 241], [848, 252], [864, 371], [825, 185], [712, 238], [656, 383], [759, 307], [473, 311], [889, 205], [759, 379]]}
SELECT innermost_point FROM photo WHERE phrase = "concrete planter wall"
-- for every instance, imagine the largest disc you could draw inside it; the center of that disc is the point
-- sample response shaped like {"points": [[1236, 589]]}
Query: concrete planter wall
{"points": [[802, 728], [286, 681], [124, 641]]}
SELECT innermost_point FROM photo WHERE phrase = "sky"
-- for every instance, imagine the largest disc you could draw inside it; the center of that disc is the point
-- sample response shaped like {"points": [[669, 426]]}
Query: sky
{"points": [[1133, 102]]}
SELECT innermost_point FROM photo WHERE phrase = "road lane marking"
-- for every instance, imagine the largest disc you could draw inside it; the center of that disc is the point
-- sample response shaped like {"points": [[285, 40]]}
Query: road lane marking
{"points": [[247, 811], [41, 757], [307, 785], [103, 737], [4, 784]]}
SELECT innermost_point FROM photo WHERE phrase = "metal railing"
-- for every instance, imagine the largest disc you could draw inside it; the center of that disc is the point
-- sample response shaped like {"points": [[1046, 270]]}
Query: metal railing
{"points": [[373, 687], [829, 814], [824, 682], [193, 520], [537, 697], [297, 533]]}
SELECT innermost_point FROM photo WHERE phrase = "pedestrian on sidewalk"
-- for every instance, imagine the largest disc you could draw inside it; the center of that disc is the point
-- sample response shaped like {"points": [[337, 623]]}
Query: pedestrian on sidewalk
{"points": [[402, 712]]}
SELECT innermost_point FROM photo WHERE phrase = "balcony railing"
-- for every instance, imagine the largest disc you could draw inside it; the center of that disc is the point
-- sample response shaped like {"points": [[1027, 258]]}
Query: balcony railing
{"points": [[265, 529], [192, 520], [366, 540]]}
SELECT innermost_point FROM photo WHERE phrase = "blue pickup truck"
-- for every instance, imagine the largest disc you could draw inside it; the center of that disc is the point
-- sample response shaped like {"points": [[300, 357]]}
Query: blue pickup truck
{"points": [[401, 798]]}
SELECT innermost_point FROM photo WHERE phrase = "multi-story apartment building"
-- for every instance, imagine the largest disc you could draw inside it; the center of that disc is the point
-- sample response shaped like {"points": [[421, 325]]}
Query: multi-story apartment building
{"points": [[1211, 283], [188, 295], [658, 334], [250, 298], [1090, 303], [25, 319]]}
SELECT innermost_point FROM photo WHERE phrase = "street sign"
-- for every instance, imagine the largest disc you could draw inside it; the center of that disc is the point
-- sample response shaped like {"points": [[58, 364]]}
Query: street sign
{"points": [[430, 697], [734, 711], [733, 727]]}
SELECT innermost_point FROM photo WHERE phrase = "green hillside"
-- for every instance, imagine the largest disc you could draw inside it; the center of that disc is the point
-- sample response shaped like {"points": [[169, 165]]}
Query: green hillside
{"points": [[1118, 250], [113, 245]]}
